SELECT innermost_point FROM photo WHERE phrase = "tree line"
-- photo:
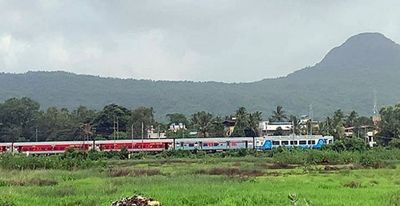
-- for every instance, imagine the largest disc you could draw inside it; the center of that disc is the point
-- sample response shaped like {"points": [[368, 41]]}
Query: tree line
{"points": [[21, 119]]}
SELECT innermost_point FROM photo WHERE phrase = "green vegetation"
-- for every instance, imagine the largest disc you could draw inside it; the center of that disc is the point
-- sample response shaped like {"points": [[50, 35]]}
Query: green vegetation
{"points": [[22, 120], [204, 181]]}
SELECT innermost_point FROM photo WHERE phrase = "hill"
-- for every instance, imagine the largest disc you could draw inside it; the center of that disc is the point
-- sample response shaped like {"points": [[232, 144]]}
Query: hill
{"points": [[346, 78]]}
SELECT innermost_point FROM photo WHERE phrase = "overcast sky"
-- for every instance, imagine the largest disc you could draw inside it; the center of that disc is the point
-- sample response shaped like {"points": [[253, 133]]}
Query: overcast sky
{"points": [[222, 40]]}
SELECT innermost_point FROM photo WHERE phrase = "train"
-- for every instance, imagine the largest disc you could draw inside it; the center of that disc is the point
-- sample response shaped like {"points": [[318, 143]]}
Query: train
{"points": [[159, 145]]}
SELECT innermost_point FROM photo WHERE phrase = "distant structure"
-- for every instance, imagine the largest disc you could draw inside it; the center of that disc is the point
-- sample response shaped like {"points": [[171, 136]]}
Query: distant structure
{"points": [[153, 134], [268, 128], [175, 127], [376, 118], [229, 126]]}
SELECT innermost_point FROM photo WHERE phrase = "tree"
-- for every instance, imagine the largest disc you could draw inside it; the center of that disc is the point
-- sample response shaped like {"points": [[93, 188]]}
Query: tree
{"points": [[338, 124], [177, 118], [202, 121], [351, 119], [58, 124], [18, 118], [279, 115], [217, 129], [112, 117], [390, 122], [254, 121], [296, 123], [242, 123], [142, 118], [84, 115]]}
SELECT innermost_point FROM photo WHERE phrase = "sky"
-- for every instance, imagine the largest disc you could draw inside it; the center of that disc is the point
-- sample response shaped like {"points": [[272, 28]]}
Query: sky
{"points": [[207, 40]]}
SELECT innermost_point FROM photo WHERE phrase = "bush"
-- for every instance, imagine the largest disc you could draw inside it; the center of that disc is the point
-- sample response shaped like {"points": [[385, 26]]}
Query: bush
{"points": [[352, 184], [394, 143], [6, 203], [348, 144], [69, 160], [123, 154]]}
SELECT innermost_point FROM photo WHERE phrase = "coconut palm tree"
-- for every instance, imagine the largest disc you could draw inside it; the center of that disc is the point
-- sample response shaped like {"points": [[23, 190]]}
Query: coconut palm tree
{"points": [[242, 122], [203, 122], [279, 115], [254, 121], [296, 124]]}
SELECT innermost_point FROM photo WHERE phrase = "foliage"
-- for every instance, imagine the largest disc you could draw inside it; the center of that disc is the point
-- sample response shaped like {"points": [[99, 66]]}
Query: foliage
{"points": [[348, 144], [394, 143], [176, 118], [390, 122], [142, 118], [279, 115], [6, 203], [203, 122], [246, 123], [189, 181]]}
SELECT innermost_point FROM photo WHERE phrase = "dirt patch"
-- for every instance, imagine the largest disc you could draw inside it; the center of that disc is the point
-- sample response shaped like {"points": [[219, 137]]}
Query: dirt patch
{"points": [[232, 171], [353, 184], [342, 167], [32, 182], [281, 165], [123, 172]]}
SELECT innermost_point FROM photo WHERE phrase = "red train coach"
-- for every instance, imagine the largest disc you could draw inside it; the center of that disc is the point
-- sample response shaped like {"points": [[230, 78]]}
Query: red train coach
{"points": [[102, 145]]}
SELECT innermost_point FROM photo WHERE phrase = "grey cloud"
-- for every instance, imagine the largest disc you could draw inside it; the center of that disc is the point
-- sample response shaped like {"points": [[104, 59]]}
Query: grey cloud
{"points": [[183, 40]]}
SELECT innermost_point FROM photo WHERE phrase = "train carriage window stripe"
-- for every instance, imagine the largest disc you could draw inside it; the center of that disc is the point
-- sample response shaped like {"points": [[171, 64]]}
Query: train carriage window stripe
{"points": [[275, 143]]}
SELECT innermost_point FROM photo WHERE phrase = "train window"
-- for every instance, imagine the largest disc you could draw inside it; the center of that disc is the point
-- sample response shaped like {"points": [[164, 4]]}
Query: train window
{"points": [[311, 141], [191, 145], [275, 143], [181, 144], [216, 144], [329, 141], [294, 143], [303, 142], [285, 142]]}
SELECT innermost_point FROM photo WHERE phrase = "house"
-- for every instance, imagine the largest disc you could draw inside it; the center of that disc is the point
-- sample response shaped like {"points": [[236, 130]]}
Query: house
{"points": [[268, 128], [367, 131], [306, 122], [153, 134], [175, 127], [229, 126]]}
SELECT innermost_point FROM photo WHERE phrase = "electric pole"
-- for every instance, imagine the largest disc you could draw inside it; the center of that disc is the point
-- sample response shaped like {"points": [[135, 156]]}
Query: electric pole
{"points": [[142, 135]]}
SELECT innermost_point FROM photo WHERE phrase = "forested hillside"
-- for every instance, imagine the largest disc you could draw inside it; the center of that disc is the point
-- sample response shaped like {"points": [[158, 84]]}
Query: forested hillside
{"points": [[346, 78]]}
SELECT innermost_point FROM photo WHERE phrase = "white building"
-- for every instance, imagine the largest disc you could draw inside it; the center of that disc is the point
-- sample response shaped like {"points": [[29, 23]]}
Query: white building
{"points": [[175, 127], [275, 128]]}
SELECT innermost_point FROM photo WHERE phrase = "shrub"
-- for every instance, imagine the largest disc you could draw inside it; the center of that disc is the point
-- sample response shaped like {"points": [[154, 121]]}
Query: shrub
{"points": [[6, 203], [232, 171], [33, 182], [353, 184], [394, 143], [122, 172], [123, 154]]}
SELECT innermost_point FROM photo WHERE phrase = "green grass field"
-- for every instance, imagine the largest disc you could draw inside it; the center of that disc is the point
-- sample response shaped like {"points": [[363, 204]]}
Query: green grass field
{"points": [[230, 181]]}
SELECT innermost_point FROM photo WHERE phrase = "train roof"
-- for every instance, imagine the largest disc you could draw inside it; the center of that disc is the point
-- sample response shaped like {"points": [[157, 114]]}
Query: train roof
{"points": [[90, 142], [298, 137], [214, 139]]}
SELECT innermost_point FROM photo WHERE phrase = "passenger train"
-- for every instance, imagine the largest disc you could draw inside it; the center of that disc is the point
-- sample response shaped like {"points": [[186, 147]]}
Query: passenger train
{"points": [[158, 145]]}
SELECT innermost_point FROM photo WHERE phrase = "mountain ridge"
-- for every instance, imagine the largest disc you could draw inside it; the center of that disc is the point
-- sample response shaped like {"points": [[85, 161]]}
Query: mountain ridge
{"points": [[328, 85]]}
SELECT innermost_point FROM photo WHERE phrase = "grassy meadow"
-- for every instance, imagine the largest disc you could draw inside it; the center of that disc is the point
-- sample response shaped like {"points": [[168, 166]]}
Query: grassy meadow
{"points": [[210, 181]]}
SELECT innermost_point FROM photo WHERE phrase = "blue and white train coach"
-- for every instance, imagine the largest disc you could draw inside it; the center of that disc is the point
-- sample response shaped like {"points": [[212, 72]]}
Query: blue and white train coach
{"points": [[302, 141]]}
